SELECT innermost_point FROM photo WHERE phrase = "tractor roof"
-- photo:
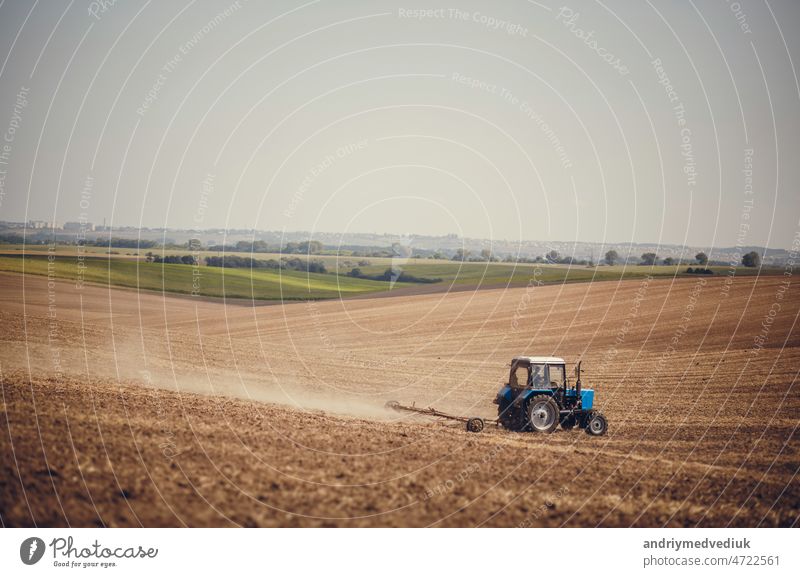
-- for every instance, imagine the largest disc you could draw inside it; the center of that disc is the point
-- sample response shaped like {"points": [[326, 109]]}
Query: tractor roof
{"points": [[551, 360]]}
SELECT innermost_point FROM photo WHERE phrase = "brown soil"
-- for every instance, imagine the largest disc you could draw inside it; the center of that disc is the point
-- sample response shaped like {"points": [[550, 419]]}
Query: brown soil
{"points": [[126, 409]]}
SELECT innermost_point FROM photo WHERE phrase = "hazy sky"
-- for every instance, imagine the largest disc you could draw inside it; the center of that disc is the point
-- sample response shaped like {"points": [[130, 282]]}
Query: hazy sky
{"points": [[618, 121]]}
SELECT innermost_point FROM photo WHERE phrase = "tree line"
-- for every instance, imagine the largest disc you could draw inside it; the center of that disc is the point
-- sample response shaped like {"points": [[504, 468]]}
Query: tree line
{"points": [[751, 259], [305, 247], [298, 264], [234, 261], [389, 275]]}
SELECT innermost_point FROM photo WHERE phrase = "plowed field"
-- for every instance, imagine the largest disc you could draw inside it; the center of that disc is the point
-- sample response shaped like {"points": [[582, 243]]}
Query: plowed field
{"points": [[125, 408]]}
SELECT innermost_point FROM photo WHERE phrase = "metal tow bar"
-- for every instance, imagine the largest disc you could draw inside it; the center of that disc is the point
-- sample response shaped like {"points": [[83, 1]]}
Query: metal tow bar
{"points": [[473, 424]]}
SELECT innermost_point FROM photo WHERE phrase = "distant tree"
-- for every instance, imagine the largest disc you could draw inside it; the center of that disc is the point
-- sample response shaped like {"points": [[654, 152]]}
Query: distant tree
{"points": [[552, 256], [356, 273], [149, 256], [611, 257], [363, 263], [669, 261], [486, 254], [317, 266], [461, 254], [752, 259], [649, 258], [252, 246], [311, 247], [173, 259], [305, 247], [701, 258], [123, 243]]}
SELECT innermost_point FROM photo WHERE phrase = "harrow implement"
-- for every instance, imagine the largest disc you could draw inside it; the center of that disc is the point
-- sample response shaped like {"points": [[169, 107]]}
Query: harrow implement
{"points": [[473, 424]]}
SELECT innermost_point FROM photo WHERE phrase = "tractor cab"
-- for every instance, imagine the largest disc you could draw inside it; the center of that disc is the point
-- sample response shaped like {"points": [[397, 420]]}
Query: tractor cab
{"points": [[538, 397], [537, 373], [548, 376]]}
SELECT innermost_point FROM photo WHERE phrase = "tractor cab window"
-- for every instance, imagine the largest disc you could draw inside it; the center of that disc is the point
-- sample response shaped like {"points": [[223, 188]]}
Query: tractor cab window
{"points": [[519, 376], [538, 377], [556, 375]]}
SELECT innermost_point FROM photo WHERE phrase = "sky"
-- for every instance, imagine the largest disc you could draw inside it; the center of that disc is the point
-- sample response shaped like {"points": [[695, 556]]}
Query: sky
{"points": [[668, 122]]}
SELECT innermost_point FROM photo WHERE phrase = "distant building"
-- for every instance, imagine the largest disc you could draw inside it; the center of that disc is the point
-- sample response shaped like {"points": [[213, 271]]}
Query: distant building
{"points": [[40, 224], [72, 225]]}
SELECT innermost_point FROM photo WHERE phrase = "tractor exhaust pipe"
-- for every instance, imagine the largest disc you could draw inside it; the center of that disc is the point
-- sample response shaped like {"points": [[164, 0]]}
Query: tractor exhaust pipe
{"points": [[578, 384]]}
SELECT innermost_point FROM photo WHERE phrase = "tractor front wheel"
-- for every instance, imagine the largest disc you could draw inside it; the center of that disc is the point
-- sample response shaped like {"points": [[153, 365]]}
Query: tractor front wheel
{"points": [[542, 414], [596, 425]]}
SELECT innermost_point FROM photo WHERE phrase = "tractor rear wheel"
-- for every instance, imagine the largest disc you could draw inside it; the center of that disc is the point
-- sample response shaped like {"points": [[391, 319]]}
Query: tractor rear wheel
{"points": [[508, 416], [596, 424], [569, 422], [542, 414]]}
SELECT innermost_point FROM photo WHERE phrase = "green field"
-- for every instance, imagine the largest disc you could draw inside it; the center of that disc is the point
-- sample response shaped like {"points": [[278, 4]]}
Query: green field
{"points": [[179, 278], [125, 269], [492, 274]]}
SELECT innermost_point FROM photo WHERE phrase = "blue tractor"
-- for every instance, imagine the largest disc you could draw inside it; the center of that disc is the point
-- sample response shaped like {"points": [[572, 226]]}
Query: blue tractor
{"points": [[538, 398]]}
